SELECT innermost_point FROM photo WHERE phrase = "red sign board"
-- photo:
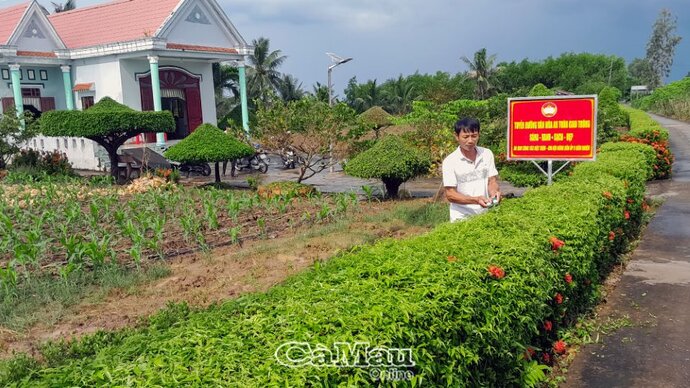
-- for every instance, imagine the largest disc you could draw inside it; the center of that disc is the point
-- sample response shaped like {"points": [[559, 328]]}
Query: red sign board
{"points": [[553, 128]]}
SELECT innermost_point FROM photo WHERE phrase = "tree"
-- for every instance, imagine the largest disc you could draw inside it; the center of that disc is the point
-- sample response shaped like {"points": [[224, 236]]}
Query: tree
{"points": [[13, 133], [390, 160], [661, 47], [290, 89], [227, 91], [208, 144], [399, 94], [311, 129], [361, 97], [641, 70], [376, 118], [482, 70], [263, 75], [67, 6], [108, 123], [320, 92]]}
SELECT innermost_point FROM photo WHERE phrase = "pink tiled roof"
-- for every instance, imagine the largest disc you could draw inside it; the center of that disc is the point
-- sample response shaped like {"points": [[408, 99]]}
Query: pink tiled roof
{"points": [[9, 18], [118, 21], [82, 87]]}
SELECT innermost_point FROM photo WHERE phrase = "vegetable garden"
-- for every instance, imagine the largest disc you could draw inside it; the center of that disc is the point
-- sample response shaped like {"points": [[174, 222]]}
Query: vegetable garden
{"points": [[61, 228]]}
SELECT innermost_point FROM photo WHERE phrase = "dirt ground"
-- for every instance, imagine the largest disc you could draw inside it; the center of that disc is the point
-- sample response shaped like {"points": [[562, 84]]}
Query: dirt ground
{"points": [[224, 273]]}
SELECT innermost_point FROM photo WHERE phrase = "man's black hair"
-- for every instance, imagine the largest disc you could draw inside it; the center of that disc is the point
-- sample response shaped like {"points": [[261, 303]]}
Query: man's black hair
{"points": [[467, 124]]}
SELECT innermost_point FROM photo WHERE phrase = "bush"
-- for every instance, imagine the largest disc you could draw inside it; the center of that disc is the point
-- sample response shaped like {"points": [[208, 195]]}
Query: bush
{"points": [[644, 130], [672, 100], [390, 160], [208, 144], [476, 302], [610, 115], [41, 163]]}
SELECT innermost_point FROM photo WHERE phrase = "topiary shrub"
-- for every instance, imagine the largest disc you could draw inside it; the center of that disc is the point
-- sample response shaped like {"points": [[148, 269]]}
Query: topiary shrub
{"points": [[108, 123], [390, 160], [208, 144]]}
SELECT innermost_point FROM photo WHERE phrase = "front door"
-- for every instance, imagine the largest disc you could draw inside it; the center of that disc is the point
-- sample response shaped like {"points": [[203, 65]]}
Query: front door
{"points": [[178, 108], [180, 80]]}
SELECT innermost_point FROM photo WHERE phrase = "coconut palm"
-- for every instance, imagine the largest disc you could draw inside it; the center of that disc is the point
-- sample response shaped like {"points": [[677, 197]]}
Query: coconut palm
{"points": [[263, 75], [482, 70], [320, 92], [67, 6], [368, 95], [399, 95], [290, 89]]}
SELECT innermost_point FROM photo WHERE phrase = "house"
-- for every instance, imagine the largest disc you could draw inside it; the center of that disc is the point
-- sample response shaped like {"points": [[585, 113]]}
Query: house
{"points": [[146, 54]]}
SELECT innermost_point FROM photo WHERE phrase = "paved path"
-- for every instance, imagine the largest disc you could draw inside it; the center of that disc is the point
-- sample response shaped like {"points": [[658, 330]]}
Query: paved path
{"points": [[338, 181], [654, 291]]}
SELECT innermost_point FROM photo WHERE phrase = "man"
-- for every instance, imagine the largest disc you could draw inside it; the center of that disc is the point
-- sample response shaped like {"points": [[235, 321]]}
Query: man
{"points": [[469, 174]]}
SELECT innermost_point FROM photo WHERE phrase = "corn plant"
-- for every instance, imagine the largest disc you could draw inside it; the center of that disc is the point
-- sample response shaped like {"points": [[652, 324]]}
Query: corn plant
{"points": [[234, 233], [98, 249]]}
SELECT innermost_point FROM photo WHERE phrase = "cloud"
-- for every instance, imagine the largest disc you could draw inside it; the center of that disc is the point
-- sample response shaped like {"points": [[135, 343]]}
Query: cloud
{"points": [[357, 15]]}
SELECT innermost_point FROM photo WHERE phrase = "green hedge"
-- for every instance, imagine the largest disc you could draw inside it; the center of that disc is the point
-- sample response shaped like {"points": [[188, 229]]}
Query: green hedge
{"points": [[645, 130], [208, 144], [105, 117], [433, 294]]}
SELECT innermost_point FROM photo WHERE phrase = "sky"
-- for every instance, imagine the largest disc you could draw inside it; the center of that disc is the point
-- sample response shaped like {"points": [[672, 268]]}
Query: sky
{"points": [[386, 38]]}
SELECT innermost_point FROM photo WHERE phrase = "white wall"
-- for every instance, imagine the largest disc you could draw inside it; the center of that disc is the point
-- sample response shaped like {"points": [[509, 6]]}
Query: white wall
{"points": [[80, 151], [103, 72]]}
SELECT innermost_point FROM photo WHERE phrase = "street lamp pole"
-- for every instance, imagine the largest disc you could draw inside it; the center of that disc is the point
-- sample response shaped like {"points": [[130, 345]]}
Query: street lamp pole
{"points": [[337, 61]]}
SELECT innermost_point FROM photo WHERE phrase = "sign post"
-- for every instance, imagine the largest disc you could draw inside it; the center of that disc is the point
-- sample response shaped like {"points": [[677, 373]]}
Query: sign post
{"points": [[557, 128]]}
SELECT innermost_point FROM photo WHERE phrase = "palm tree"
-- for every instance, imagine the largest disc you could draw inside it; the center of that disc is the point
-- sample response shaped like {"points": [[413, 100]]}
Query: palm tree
{"points": [[482, 70], [369, 95], [399, 95], [263, 75], [289, 89], [68, 6], [227, 91], [320, 92]]}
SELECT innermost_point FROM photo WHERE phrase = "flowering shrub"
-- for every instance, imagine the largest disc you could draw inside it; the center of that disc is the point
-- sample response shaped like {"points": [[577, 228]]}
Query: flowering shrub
{"points": [[645, 130]]}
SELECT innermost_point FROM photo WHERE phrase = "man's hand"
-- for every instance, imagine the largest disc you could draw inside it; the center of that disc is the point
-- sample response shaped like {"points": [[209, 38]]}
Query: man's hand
{"points": [[482, 201]]}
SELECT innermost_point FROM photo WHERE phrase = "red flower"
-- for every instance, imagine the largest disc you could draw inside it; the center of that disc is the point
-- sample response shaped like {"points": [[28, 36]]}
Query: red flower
{"points": [[558, 298], [568, 278], [546, 358], [452, 259], [626, 214], [556, 244], [607, 194], [630, 200], [529, 353], [496, 272], [559, 347], [548, 325]]}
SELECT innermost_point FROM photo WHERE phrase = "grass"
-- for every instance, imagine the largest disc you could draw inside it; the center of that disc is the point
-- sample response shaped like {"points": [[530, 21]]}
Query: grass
{"points": [[46, 299]]}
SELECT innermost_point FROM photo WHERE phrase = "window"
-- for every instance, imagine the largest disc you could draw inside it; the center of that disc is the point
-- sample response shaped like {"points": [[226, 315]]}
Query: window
{"points": [[86, 102], [74, 143], [65, 142], [34, 143], [31, 92], [82, 144], [43, 146]]}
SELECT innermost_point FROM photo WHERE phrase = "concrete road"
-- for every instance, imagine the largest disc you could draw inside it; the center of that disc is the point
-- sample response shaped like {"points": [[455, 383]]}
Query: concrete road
{"points": [[654, 292]]}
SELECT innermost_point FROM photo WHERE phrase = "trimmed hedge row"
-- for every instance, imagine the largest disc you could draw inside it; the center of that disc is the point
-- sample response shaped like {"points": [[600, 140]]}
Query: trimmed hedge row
{"points": [[475, 301], [643, 129], [104, 118]]}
